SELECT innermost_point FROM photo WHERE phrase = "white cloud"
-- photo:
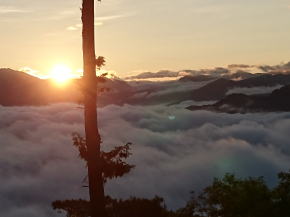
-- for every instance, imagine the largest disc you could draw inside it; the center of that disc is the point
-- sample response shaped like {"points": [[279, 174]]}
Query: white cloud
{"points": [[114, 17], [100, 21], [253, 90], [79, 26], [173, 156], [65, 14], [11, 10], [72, 28]]}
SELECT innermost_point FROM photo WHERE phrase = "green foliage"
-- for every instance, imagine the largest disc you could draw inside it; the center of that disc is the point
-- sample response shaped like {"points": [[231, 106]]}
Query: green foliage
{"points": [[234, 197], [226, 197], [113, 162], [281, 196], [231, 196], [190, 210], [115, 208]]}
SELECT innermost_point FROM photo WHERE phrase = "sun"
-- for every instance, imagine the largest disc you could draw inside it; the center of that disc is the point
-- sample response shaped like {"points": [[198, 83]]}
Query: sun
{"points": [[60, 74]]}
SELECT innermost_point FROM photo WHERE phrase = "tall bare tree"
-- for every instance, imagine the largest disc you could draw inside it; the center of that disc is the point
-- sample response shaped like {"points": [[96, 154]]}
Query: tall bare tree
{"points": [[93, 139]]}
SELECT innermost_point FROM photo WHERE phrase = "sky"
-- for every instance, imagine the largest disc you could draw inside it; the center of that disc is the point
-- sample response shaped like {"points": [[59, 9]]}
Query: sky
{"points": [[152, 35]]}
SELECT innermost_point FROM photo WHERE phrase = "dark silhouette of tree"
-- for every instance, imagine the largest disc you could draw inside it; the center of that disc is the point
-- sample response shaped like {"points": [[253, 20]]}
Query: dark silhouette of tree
{"points": [[226, 197], [281, 196], [190, 210], [73, 208], [234, 197], [116, 208], [231, 196], [114, 164], [100, 62], [93, 139]]}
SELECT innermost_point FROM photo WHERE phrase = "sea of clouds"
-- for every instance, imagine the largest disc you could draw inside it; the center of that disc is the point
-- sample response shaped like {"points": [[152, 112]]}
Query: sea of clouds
{"points": [[254, 90], [175, 151]]}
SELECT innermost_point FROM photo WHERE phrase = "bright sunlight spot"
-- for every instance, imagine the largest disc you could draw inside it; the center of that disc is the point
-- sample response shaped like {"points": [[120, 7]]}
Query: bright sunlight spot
{"points": [[61, 74]]}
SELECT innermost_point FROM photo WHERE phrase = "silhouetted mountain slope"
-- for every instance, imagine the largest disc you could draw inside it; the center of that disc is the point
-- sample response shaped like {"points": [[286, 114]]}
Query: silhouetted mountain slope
{"points": [[265, 80], [150, 93], [214, 90], [278, 100], [217, 89], [240, 75], [116, 92], [237, 76], [197, 78], [18, 88]]}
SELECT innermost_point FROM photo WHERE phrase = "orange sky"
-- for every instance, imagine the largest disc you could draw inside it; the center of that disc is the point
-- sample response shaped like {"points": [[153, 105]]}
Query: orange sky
{"points": [[147, 35]]}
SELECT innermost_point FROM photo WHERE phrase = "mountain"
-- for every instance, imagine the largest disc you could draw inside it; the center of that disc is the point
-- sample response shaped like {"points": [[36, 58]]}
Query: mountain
{"points": [[196, 78], [116, 92], [174, 92], [277, 101], [240, 75], [19, 88], [213, 91], [162, 92], [265, 80], [217, 89]]}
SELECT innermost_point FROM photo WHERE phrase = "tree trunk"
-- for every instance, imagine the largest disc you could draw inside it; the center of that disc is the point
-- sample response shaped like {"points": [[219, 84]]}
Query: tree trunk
{"points": [[96, 185]]}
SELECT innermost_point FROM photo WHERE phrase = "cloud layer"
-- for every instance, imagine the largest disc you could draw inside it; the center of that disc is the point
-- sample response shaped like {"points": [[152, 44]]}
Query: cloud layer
{"points": [[233, 71], [175, 151], [253, 90]]}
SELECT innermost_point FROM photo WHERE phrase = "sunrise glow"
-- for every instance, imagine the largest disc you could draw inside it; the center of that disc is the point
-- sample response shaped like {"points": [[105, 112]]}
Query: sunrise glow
{"points": [[60, 74]]}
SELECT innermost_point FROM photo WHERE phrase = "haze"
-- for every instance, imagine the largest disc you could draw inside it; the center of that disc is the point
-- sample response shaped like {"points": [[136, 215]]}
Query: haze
{"points": [[147, 35]]}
